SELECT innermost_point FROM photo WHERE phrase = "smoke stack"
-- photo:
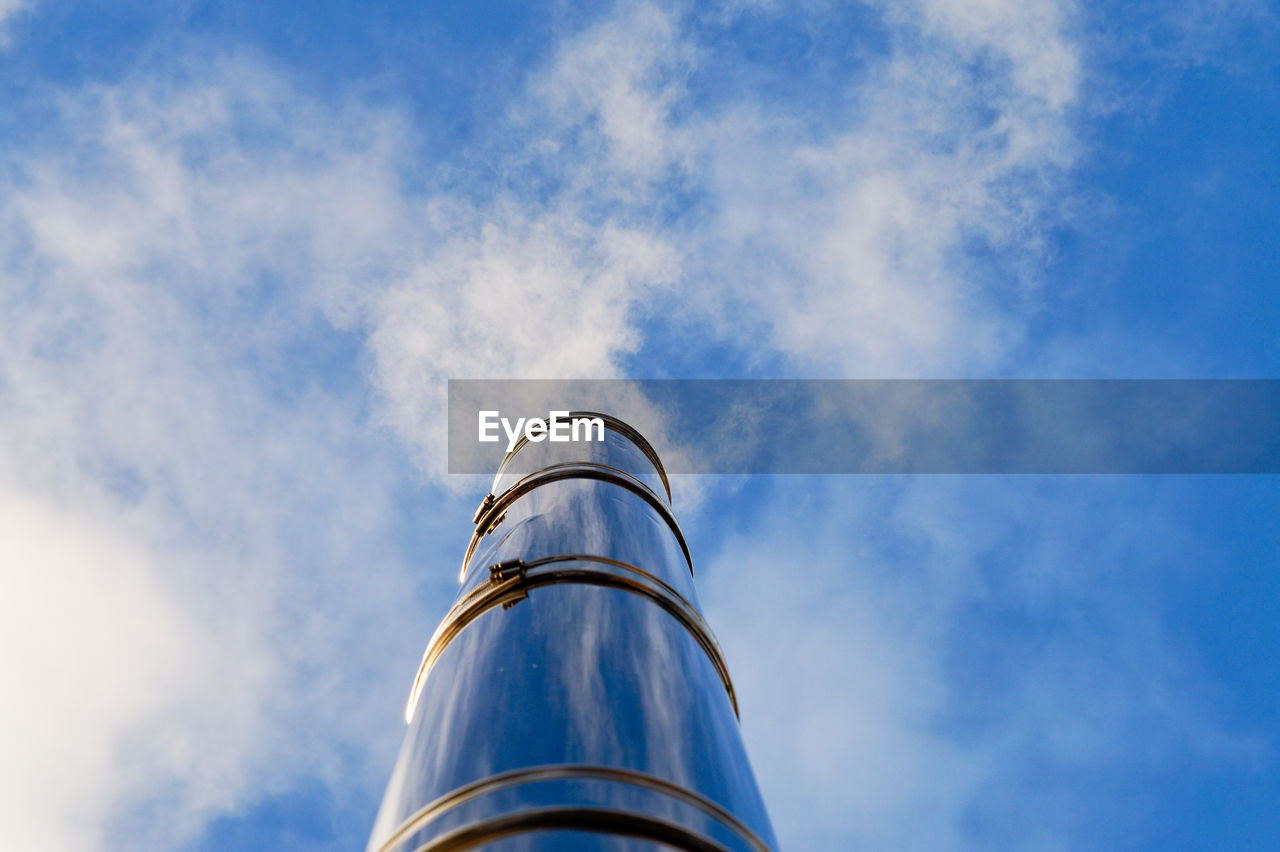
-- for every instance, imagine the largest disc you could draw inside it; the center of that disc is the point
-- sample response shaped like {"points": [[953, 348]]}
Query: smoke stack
{"points": [[573, 697]]}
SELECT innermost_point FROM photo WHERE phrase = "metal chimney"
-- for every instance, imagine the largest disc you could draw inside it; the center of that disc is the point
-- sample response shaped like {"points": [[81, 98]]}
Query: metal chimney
{"points": [[574, 698]]}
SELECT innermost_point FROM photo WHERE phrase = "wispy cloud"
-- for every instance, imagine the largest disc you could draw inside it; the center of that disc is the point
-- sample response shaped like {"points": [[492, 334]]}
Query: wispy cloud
{"points": [[541, 266], [961, 663], [845, 247], [183, 461], [8, 10], [96, 643], [218, 289], [855, 240]]}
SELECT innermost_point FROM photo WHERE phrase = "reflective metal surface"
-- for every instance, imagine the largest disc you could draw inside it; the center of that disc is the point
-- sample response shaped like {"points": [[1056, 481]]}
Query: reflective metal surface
{"points": [[580, 509], [622, 448], [573, 697]]}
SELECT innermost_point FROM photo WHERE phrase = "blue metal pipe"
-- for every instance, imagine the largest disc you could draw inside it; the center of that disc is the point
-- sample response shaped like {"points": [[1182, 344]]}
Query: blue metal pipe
{"points": [[573, 698]]}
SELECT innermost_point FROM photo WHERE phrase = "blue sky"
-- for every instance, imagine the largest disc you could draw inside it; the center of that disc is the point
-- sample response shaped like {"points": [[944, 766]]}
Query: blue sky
{"points": [[243, 246]]}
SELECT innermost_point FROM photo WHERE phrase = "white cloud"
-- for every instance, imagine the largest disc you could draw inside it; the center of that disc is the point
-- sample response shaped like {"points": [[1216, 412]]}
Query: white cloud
{"points": [[1032, 37], [522, 295], [846, 250], [620, 80], [187, 494], [839, 683], [530, 283], [847, 247], [919, 662], [95, 643], [852, 245], [8, 10]]}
